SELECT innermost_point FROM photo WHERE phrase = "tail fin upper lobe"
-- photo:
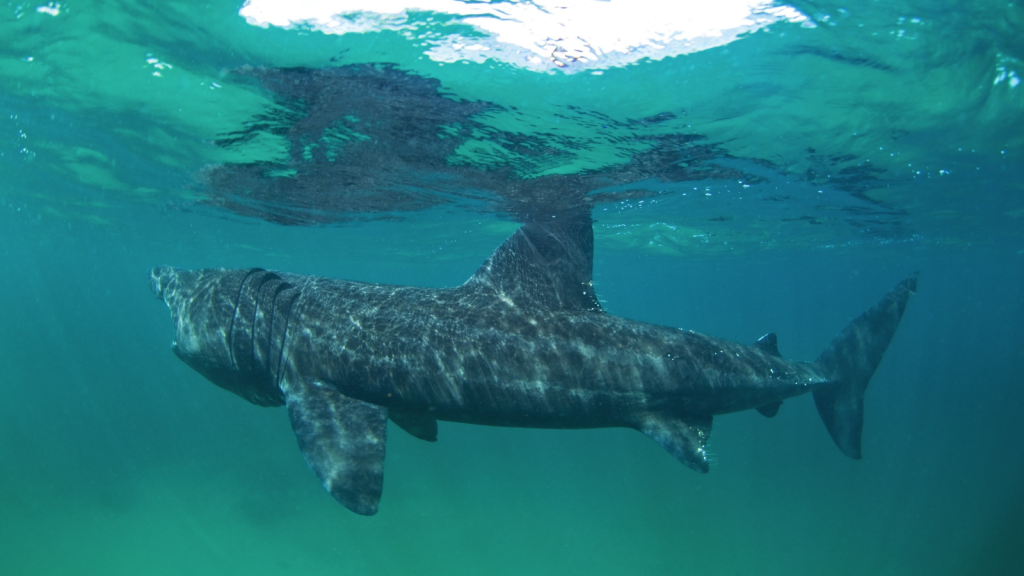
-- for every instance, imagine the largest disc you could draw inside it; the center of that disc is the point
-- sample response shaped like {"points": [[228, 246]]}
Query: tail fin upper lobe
{"points": [[850, 360]]}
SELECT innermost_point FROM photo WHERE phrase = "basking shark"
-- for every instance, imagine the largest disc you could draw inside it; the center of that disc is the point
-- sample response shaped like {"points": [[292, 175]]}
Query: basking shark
{"points": [[524, 342]]}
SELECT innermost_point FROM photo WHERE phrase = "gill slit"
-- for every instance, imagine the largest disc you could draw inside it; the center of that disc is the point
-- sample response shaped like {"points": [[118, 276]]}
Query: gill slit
{"points": [[253, 336], [231, 327], [273, 315], [284, 340]]}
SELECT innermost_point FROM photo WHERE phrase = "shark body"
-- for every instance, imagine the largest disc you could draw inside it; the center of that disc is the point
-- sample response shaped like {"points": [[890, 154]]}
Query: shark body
{"points": [[524, 342]]}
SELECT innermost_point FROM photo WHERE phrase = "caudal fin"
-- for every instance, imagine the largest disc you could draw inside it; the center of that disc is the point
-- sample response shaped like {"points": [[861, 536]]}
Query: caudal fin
{"points": [[850, 360]]}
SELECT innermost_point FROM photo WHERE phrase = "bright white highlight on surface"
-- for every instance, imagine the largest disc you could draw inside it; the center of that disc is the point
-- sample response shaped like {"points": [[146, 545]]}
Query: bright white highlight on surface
{"points": [[156, 63], [571, 35], [53, 9], [1004, 72]]}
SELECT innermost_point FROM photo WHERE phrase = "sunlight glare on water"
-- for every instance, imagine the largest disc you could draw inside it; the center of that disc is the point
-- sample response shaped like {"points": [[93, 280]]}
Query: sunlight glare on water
{"points": [[574, 35]]}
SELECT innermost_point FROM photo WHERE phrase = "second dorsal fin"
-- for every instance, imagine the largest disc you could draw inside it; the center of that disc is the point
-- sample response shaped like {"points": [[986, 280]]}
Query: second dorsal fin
{"points": [[769, 344], [546, 263]]}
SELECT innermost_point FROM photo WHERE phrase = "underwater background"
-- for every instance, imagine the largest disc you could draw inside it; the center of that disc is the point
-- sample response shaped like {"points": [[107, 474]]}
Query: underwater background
{"points": [[771, 168]]}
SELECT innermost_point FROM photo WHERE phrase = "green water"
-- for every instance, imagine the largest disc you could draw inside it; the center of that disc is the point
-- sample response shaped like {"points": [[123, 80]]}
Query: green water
{"points": [[116, 458]]}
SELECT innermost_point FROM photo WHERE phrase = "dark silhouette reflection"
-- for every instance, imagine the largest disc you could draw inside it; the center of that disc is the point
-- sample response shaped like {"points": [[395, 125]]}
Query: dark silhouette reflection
{"points": [[367, 140]]}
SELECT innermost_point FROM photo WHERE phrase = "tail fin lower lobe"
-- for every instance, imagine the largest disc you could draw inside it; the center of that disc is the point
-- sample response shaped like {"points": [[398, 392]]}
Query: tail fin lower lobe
{"points": [[850, 360]]}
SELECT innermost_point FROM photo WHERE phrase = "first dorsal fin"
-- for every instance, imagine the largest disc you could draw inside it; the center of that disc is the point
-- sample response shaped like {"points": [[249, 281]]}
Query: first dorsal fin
{"points": [[546, 263]]}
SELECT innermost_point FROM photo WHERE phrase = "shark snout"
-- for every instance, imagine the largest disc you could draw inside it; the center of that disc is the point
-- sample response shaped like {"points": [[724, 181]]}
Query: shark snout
{"points": [[159, 278]]}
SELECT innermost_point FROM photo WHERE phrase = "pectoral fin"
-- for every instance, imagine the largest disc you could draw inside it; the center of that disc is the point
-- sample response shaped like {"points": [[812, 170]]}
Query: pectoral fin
{"points": [[683, 438], [342, 440]]}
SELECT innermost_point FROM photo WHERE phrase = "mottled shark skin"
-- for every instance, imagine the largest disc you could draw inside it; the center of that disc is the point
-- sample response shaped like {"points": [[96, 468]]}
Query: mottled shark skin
{"points": [[524, 342]]}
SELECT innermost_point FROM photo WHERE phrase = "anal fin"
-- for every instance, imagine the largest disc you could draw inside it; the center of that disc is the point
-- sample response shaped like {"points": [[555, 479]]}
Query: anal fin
{"points": [[419, 424], [770, 410], [683, 438], [342, 439]]}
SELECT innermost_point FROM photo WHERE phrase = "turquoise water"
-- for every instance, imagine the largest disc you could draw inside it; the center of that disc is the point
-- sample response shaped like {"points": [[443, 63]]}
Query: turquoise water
{"points": [[779, 182]]}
